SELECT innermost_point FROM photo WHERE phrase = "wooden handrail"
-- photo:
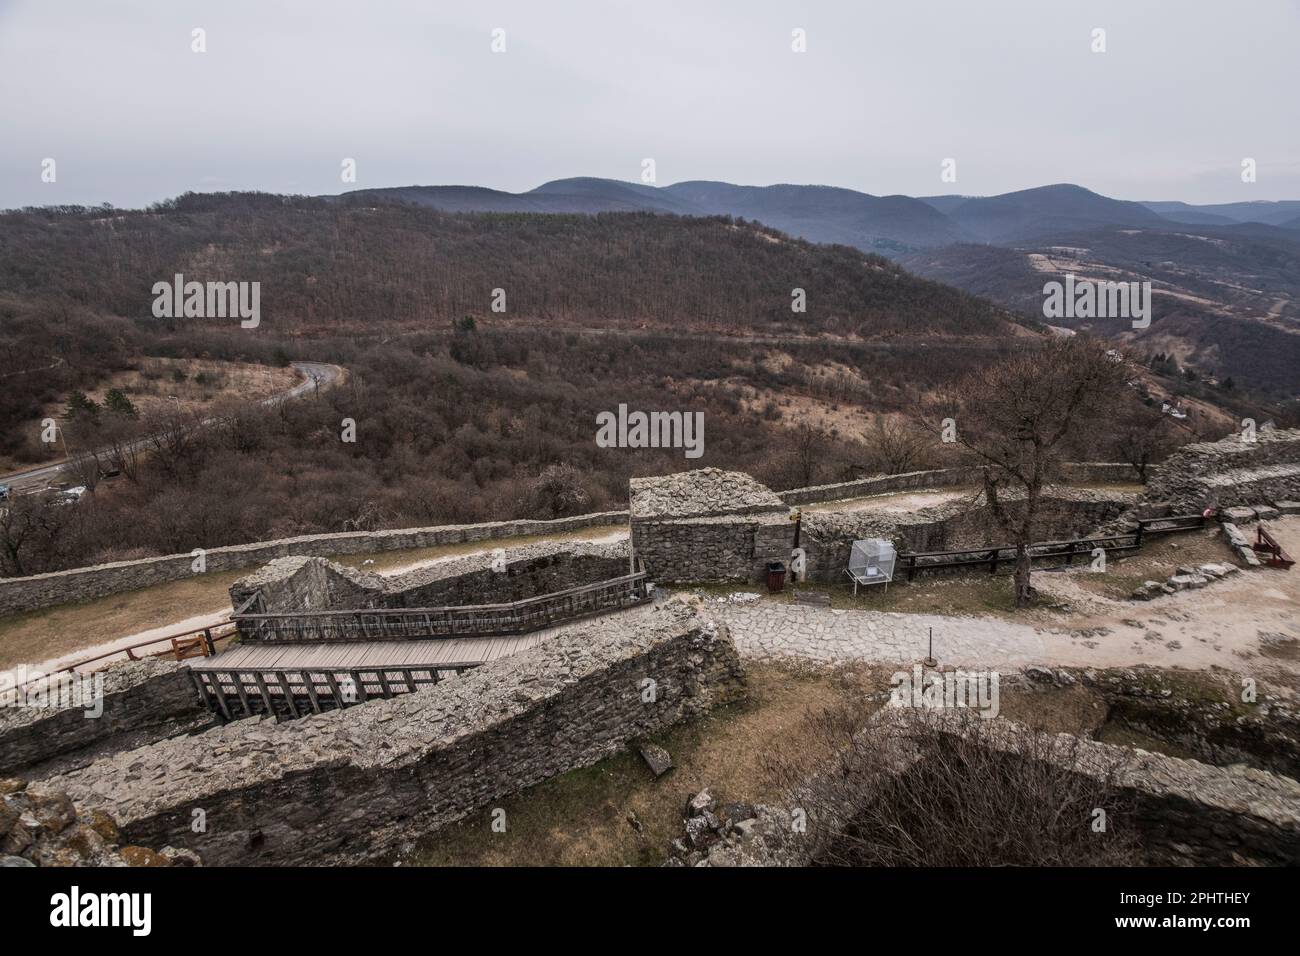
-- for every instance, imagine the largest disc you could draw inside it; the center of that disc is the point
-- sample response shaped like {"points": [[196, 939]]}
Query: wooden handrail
{"points": [[129, 651], [446, 609]]}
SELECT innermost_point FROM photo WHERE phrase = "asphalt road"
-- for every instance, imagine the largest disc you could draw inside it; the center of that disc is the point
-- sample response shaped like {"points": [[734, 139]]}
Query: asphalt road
{"points": [[315, 375]]}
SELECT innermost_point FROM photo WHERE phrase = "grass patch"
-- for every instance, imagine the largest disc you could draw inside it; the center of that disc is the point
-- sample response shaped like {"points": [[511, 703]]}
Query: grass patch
{"points": [[583, 818], [52, 632]]}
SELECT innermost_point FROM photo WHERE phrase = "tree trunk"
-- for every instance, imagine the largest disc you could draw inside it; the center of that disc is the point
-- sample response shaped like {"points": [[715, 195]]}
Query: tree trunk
{"points": [[1024, 591]]}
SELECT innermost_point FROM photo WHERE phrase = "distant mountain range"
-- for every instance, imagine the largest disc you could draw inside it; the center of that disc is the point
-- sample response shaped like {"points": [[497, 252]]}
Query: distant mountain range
{"points": [[890, 225], [1225, 278]]}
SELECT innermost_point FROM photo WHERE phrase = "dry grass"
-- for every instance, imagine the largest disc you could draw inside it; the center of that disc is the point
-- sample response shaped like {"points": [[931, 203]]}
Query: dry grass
{"points": [[581, 818], [50, 633], [151, 386], [1159, 558]]}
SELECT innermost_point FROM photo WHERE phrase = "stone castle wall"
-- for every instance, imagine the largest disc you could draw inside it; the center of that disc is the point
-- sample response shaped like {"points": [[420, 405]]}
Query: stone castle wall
{"points": [[1185, 812], [739, 547], [348, 786], [143, 701], [100, 580], [1081, 473], [289, 585], [1231, 472]]}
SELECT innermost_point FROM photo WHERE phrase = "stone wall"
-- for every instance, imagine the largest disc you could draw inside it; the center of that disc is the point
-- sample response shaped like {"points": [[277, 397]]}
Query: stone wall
{"points": [[1186, 812], [700, 492], [728, 548], [1231, 472], [525, 573], [739, 547], [96, 581], [1080, 473], [143, 701], [348, 786], [316, 584]]}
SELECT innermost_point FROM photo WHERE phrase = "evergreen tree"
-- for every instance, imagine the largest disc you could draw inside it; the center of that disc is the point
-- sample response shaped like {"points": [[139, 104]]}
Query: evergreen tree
{"points": [[117, 402], [79, 405]]}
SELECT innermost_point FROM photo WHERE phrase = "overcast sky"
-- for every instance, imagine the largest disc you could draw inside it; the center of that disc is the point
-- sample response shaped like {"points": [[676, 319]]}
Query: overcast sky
{"points": [[412, 91]]}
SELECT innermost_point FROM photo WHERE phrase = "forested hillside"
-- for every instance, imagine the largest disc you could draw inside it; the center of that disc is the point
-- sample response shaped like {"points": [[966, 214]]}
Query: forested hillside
{"points": [[460, 413], [344, 264]]}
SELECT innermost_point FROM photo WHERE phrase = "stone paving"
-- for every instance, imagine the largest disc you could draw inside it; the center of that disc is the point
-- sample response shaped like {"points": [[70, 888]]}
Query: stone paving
{"points": [[765, 630]]}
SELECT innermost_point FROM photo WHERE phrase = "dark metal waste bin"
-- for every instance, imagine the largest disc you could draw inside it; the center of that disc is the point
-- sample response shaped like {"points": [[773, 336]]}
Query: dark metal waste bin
{"points": [[776, 576]]}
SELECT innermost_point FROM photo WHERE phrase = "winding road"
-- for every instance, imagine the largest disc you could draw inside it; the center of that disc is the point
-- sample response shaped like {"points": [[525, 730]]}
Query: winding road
{"points": [[316, 375]]}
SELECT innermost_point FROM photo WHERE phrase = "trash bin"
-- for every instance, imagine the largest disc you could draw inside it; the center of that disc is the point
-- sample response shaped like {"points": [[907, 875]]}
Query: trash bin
{"points": [[776, 576]]}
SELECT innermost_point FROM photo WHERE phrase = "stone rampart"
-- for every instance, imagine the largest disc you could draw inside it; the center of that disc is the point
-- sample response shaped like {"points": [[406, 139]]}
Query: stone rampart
{"points": [[350, 785], [142, 701], [100, 580]]}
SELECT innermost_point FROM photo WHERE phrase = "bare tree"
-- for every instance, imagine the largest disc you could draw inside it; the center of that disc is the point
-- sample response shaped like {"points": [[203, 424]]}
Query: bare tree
{"points": [[85, 468], [897, 445], [807, 451], [121, 445], [1144, 436], [38, 533], [925, 788], [557, 492], [173, 439], [1018, 417]]}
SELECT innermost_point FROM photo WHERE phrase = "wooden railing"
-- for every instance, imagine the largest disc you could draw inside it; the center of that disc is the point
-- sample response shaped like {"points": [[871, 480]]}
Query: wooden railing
{"points": [[291, 693], [196, 642], [476, 620], [995, 557]]}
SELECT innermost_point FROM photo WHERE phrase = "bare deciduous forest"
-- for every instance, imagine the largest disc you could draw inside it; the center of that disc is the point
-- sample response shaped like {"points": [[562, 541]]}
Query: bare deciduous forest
{"points": [[462, 413]]}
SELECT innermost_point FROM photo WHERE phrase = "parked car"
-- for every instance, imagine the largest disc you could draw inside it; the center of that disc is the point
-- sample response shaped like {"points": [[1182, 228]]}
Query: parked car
{"points": [[4, 492]]}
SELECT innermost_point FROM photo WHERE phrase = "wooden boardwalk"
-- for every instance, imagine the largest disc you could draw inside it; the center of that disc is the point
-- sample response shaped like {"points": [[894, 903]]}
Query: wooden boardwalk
{"points": [[367, 654], [298, 663], [292, 680]]}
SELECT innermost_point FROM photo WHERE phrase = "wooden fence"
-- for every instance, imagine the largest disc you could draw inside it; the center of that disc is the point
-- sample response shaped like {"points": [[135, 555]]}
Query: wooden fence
{"points": [[995, 557], [423, 623]]}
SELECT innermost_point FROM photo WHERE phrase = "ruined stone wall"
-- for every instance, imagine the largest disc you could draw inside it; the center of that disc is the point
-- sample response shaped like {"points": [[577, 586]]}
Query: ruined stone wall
{"points": [[96, 581], [347, 786], [1073, 473], [316, 584], [524, 576], [1231, 472], [698, 549], [308, 584], [143, 701], [1186, 812], [738, 548]]}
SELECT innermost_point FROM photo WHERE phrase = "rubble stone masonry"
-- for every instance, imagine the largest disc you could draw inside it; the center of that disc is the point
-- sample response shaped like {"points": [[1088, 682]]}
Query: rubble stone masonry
{"points": [[348, 786]]}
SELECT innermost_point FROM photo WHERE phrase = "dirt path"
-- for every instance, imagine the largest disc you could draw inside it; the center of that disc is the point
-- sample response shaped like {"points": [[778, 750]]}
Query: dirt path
{"points": [[1247, 624]]}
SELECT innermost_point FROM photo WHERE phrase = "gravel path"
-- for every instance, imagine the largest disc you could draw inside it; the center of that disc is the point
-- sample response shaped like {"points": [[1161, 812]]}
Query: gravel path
{"points": [[1248, 624]]}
